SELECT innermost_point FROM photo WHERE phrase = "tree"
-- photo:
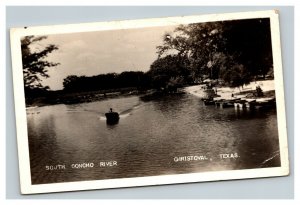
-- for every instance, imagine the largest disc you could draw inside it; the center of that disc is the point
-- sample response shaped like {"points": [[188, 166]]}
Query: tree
{"points": [[164, 68], [70, 82], [35, 66], [236, 76], [174, 83], [109, 81], [196, 42], [214, 46], [250, 40]]}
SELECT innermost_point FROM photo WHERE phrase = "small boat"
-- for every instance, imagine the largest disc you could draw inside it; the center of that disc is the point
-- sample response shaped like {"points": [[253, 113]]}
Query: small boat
{"points": [[239, 104], [224, 103], [250, 103], [208, 102], [265, 103], [112, 117]]}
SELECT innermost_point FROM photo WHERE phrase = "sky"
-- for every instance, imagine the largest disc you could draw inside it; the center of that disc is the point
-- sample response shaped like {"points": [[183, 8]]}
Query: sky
{"points": [[94, 53]]}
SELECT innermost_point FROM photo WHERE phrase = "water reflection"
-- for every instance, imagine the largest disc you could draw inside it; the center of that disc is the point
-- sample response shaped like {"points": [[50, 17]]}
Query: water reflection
{"points": [[147, 137], [111, 126]]}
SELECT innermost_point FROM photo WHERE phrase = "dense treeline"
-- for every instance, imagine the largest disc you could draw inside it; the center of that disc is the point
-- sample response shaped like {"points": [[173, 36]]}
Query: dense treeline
{"points": [[235, 52], [137, 80]]}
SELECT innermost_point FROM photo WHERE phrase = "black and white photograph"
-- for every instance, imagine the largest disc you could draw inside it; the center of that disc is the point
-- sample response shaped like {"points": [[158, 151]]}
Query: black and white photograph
{"points": [[148, 102]]}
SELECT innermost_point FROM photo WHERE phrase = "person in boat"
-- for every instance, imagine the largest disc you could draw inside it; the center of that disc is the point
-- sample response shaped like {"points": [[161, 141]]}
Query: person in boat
{"points": [[112, 117]]}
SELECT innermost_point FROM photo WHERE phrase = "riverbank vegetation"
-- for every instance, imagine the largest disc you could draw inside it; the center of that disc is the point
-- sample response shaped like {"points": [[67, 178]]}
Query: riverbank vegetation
{"points": [[226, 53]]}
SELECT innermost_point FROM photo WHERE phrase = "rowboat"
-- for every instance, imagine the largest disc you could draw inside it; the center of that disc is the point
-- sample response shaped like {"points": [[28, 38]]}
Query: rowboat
{"points": [[112, 117]]}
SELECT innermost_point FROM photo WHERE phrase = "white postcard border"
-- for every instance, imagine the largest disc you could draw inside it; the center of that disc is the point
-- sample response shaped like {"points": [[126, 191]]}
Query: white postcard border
{"points": [[20, 108]]}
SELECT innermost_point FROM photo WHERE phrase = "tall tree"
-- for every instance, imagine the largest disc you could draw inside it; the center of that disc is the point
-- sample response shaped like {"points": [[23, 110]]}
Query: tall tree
{"points": [[35, 66], [214, 46], [236, 76], [198, 43], [250, 40], [167, 67]]}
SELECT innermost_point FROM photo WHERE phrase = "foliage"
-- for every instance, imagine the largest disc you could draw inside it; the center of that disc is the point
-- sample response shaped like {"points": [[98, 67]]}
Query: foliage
{"points": [[234, 51], [196, 42], [174, 83], [236, 76], [167, 67], [209, 48], [250, 41], [35, 66], [126, 79]]}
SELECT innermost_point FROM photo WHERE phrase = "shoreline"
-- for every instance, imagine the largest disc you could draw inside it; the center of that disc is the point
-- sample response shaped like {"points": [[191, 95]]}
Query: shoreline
{"points": [[223, 93], [76, 98], [227, 93]]}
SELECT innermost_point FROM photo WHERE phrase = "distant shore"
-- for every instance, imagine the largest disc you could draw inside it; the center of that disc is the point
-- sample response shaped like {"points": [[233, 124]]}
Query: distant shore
{"points": [[59, 97], [221, 93]]}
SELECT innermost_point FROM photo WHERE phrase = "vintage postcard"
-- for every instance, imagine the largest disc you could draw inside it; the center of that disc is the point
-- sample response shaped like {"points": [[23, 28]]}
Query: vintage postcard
{"points": [[149, 102]]}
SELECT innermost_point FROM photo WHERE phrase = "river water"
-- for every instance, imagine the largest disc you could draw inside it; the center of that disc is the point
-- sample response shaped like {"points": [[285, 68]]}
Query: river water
{"points": [[68, 142]]}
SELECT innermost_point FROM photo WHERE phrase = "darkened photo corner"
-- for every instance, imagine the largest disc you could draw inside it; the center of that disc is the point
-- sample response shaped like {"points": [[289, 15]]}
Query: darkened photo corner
{"points": [[150, 101]]}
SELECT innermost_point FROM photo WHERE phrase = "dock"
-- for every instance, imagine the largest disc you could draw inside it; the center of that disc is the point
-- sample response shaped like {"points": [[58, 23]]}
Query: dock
{"points": [[224, 103], [239, 103]]}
